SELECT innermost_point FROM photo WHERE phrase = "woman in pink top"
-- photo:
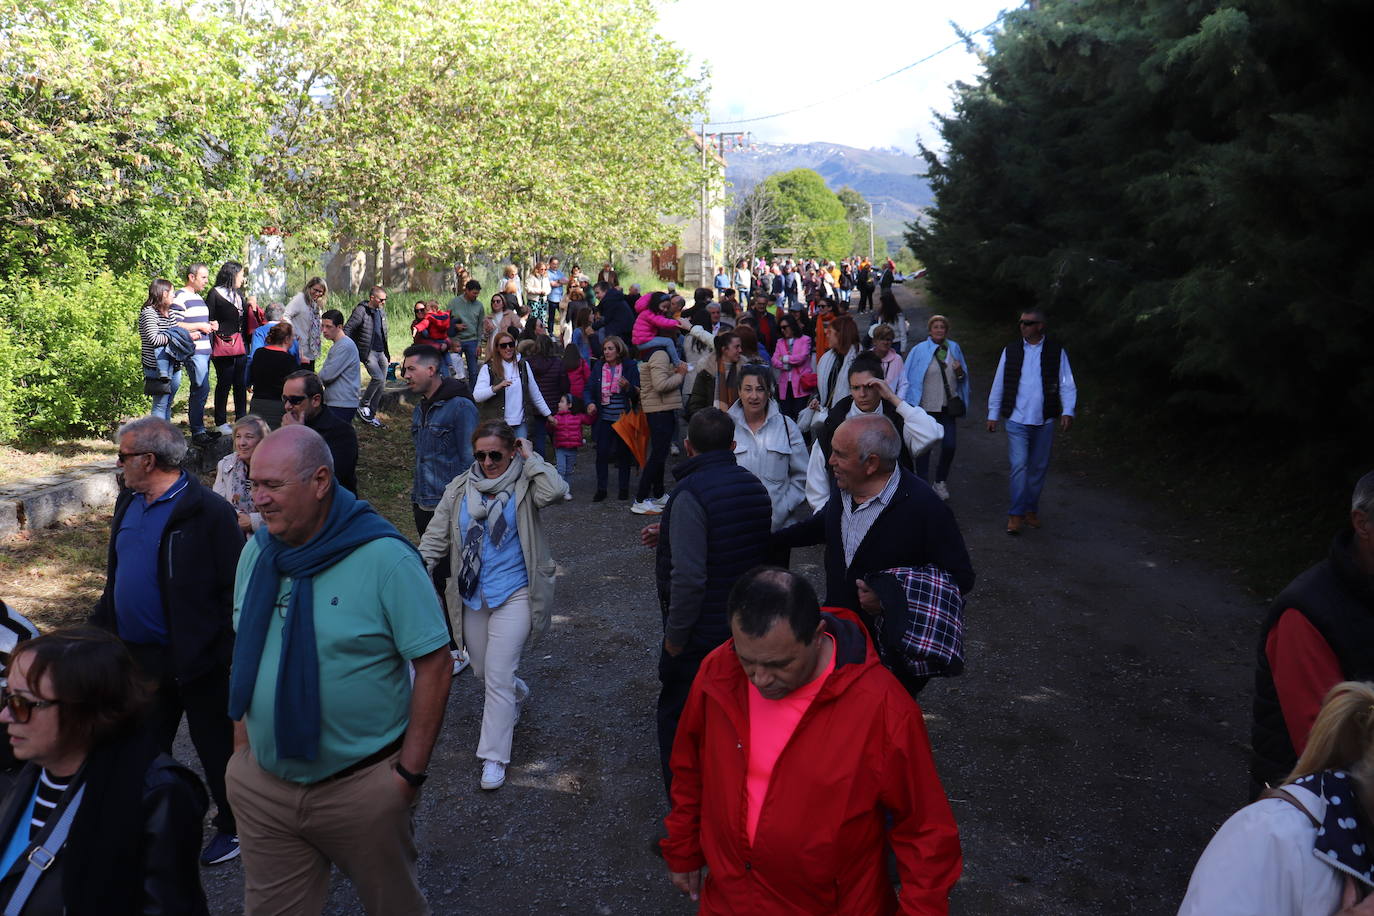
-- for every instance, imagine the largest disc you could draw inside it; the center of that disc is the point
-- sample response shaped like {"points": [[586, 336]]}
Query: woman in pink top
{"points": [[791, 358]]}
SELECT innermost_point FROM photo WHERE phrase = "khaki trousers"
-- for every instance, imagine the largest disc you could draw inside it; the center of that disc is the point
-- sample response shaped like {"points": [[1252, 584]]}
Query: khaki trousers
{"points": [[290, 833]]}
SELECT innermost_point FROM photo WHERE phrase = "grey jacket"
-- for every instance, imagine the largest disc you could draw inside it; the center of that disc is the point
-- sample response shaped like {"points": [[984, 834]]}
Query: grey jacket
{"points": [[340, 374]]}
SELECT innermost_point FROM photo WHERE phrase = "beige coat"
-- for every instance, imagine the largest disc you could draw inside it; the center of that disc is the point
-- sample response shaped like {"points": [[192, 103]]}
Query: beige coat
{"points": [[659, 384], [539, 485]]}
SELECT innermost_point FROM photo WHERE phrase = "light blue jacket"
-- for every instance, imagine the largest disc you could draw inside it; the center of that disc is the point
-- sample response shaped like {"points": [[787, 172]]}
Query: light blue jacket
{"points": [[919, 359]]}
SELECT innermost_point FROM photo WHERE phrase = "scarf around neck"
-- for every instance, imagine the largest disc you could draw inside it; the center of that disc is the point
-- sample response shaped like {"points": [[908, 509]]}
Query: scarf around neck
{"points": [[486, 499], [351, 523], [1342, 841]]}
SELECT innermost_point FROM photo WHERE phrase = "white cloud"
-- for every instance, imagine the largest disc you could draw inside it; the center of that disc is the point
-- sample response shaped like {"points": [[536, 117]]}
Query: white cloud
{"points": [[767, 56]]}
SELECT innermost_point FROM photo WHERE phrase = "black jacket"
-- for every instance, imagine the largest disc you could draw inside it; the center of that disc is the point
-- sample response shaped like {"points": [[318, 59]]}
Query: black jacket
{"points": [[359, 328], [197, 558], [914, 529], [342, 440], [617, 315], [133, 846]]}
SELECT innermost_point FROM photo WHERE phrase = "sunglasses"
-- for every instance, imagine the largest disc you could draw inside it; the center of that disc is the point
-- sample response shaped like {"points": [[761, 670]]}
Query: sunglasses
{"points": [[484, 457], [292, 400], [125, 456], [21, 708], [506, 345]]}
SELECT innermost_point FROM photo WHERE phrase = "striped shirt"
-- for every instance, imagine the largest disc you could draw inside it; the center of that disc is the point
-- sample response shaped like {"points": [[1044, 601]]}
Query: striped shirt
{"points": [[191, 309], [855, 520], [152, 333], [50, 789]]}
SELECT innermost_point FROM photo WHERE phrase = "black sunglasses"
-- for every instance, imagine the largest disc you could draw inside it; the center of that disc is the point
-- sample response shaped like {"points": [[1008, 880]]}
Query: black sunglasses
{"points": [[21, 708], [293, 399], [484, 457], [505, 345], [125, 456]]}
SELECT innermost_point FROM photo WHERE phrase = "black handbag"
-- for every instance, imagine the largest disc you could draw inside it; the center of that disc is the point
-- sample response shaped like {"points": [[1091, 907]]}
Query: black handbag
{"points": [[954, 405], [157, 386]]}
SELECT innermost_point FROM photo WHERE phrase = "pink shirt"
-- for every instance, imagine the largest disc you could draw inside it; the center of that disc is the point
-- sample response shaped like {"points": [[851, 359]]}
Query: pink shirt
{"points": [[771, 724]]}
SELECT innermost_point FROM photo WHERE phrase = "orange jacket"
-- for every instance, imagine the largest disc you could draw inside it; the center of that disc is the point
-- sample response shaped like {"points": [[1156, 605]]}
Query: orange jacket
{"points": [[860, 751]]}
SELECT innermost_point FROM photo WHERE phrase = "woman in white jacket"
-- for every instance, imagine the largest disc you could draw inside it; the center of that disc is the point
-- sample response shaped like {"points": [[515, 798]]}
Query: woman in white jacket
{"points": [[769, 445], [1306, 848]]}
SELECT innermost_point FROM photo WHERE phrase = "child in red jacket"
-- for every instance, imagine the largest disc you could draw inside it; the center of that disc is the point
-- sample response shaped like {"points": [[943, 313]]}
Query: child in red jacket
{"points": [[567, 426]]}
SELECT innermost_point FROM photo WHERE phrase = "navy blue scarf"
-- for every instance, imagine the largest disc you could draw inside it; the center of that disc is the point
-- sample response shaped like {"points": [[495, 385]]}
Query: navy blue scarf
{"points": [[351, 523], [1342, 841]]}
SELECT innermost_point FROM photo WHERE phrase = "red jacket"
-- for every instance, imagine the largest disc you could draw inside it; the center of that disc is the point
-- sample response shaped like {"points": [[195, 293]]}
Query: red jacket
{"points": [[860, 750]]}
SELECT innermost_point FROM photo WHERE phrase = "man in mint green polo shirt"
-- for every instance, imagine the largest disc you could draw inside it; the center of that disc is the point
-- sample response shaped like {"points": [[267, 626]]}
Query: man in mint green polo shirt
{"points": [[332, 608]]}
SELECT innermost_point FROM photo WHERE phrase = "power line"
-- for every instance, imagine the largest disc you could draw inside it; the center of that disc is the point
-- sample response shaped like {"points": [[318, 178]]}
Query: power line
{"points": [[826, 101]]}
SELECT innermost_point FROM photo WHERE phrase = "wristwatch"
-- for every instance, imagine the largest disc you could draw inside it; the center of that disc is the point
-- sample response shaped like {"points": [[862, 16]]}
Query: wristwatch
{"points": [[415, 779]]}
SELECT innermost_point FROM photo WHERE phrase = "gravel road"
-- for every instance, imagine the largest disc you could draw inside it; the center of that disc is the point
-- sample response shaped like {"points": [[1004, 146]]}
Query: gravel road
{"points": [[1094, 742]]}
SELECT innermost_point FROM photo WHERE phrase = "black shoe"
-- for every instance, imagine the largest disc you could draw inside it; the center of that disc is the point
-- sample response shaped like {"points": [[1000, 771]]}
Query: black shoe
{"points": [[204, 437], [623, 494], [600, 496]]}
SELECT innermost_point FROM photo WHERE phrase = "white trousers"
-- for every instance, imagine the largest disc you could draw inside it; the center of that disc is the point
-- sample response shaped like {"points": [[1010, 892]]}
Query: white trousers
{"points": [[494, 639]]}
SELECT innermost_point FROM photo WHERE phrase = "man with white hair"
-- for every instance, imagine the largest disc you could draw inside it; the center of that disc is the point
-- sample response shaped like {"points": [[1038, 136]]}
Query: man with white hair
{"points": [[333, 608], [169, 577]]}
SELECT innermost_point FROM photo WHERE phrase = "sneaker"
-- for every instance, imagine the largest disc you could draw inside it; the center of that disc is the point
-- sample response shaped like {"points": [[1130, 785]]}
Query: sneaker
{"points": [[647, 507], [460, 660], [567, 497], [662, 501], [493, 774], [224, 429], [371, 420], [675, 451], [364, 411], [222, 848], [940, 489]]}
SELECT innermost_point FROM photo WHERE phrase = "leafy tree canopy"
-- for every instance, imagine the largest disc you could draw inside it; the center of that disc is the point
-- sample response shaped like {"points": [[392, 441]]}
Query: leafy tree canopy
{"points": [[809, 216]]}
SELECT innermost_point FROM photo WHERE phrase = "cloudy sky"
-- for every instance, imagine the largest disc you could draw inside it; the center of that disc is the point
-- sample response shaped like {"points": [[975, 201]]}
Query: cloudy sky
{"points": [[767, 56]]}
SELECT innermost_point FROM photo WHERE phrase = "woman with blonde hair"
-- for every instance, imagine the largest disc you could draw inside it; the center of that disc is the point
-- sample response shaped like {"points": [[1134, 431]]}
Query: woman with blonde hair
{"points": [[505, 388], [231, 474], [1307, 847]]}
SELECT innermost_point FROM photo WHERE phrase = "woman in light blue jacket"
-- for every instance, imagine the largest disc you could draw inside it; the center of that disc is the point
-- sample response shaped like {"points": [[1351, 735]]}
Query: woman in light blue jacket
{"points": [[935, 371]]}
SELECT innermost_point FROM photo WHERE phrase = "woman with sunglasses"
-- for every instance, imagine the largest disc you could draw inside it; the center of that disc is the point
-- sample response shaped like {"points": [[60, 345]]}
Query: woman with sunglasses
{"points": [[99, 820], [501, 589], [505, 388]]}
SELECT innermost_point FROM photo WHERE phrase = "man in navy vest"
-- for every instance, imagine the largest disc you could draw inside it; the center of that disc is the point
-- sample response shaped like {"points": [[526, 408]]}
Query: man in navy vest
{"points": [[1319, 632], [713, 530], [1036, 372]]}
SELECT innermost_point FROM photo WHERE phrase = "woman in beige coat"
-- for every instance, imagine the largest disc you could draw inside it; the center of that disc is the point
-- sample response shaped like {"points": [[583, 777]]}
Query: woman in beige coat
{"points": [[500, 592]]}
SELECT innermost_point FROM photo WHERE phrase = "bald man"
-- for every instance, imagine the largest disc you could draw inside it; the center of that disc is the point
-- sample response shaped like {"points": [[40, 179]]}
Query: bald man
{"points": [[332, 606]]}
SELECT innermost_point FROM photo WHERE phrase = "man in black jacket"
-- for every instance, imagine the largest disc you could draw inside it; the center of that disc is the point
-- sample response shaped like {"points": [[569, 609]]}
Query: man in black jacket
{"points": [[169, 584], [367, 328], [880, 516], [303, 397], [617, 315], [713, 530]]}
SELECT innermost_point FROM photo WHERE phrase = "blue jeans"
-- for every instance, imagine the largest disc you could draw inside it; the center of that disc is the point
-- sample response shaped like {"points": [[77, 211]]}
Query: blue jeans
{"points": [[1028, 448], [470, 354], [667, 343], [565, 459], [539, 433], [198, 373], [162, 403], [947, 446]]}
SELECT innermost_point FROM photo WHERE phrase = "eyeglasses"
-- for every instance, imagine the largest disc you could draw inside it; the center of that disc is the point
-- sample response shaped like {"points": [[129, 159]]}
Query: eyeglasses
{"points": [[125, 456], [484, 457], [292, 400], [21, 708], [1030, 324], [505, 345]]}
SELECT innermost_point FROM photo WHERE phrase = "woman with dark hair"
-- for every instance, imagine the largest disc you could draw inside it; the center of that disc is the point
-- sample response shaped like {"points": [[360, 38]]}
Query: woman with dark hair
{"points": [[890, 314], [229, 346], [99, 821], [581, 325], [156, 326], [271, 365], [792, 359], [611, 388], [832, 372], [717, 385], [501, 590], [769, 445]]}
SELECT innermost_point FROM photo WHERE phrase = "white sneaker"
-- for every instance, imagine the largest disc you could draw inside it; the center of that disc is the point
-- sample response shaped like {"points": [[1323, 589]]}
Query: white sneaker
{"points": [[648, 507], [225, 428], [460, 660], [675, 451], [940, 489], [567, 497], [661, 502], [493, 774]]}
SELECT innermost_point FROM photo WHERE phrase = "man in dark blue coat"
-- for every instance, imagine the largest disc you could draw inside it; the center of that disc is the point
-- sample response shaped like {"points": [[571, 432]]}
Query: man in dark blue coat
{"points": [[712, 531]]}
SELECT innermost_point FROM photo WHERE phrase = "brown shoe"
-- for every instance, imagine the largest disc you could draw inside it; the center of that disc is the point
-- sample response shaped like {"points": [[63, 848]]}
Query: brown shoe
{"points": [[1014, 524], [1032, 520]]}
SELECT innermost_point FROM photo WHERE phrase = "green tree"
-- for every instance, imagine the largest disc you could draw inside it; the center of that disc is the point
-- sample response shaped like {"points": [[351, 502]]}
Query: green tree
{"points": [[810, 217], [856, 213]]}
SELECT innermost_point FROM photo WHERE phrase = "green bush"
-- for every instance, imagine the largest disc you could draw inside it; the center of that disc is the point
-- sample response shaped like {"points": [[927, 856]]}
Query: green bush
{"points": [[69, 355]]}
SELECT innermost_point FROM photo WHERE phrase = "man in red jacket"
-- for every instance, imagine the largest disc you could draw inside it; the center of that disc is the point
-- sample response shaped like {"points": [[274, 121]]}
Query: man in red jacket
{"points": [[794, 750]]}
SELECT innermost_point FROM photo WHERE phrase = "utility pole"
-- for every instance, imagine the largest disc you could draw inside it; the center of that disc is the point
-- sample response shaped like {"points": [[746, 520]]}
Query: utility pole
{"points": [[705, 216], [870, 232]]}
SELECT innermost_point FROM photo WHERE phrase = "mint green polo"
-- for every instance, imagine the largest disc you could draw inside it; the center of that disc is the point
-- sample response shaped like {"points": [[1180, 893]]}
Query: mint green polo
{"points": [[374, 611]]}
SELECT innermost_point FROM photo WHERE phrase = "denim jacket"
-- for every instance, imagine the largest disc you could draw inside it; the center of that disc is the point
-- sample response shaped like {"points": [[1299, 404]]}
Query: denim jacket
{"points": [[442, 428]]}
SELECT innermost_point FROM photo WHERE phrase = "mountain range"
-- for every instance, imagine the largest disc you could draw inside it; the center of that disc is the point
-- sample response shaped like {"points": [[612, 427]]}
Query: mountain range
{"points": [[889, 179]]}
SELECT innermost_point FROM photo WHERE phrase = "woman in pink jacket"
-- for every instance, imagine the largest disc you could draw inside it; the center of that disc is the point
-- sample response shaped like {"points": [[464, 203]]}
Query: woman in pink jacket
{"points": [[792, 358]]}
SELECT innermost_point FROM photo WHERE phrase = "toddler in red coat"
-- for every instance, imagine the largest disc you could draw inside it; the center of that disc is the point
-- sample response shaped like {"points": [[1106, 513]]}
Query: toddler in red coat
{"points": [[567, 426]]}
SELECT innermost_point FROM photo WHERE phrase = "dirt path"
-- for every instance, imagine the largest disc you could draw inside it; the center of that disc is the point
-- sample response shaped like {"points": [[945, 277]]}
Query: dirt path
{"points": [[1093, 744]]}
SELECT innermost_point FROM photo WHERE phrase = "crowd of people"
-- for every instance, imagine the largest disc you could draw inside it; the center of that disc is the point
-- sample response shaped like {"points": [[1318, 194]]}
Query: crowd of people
{"points": [[311, 646]]}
